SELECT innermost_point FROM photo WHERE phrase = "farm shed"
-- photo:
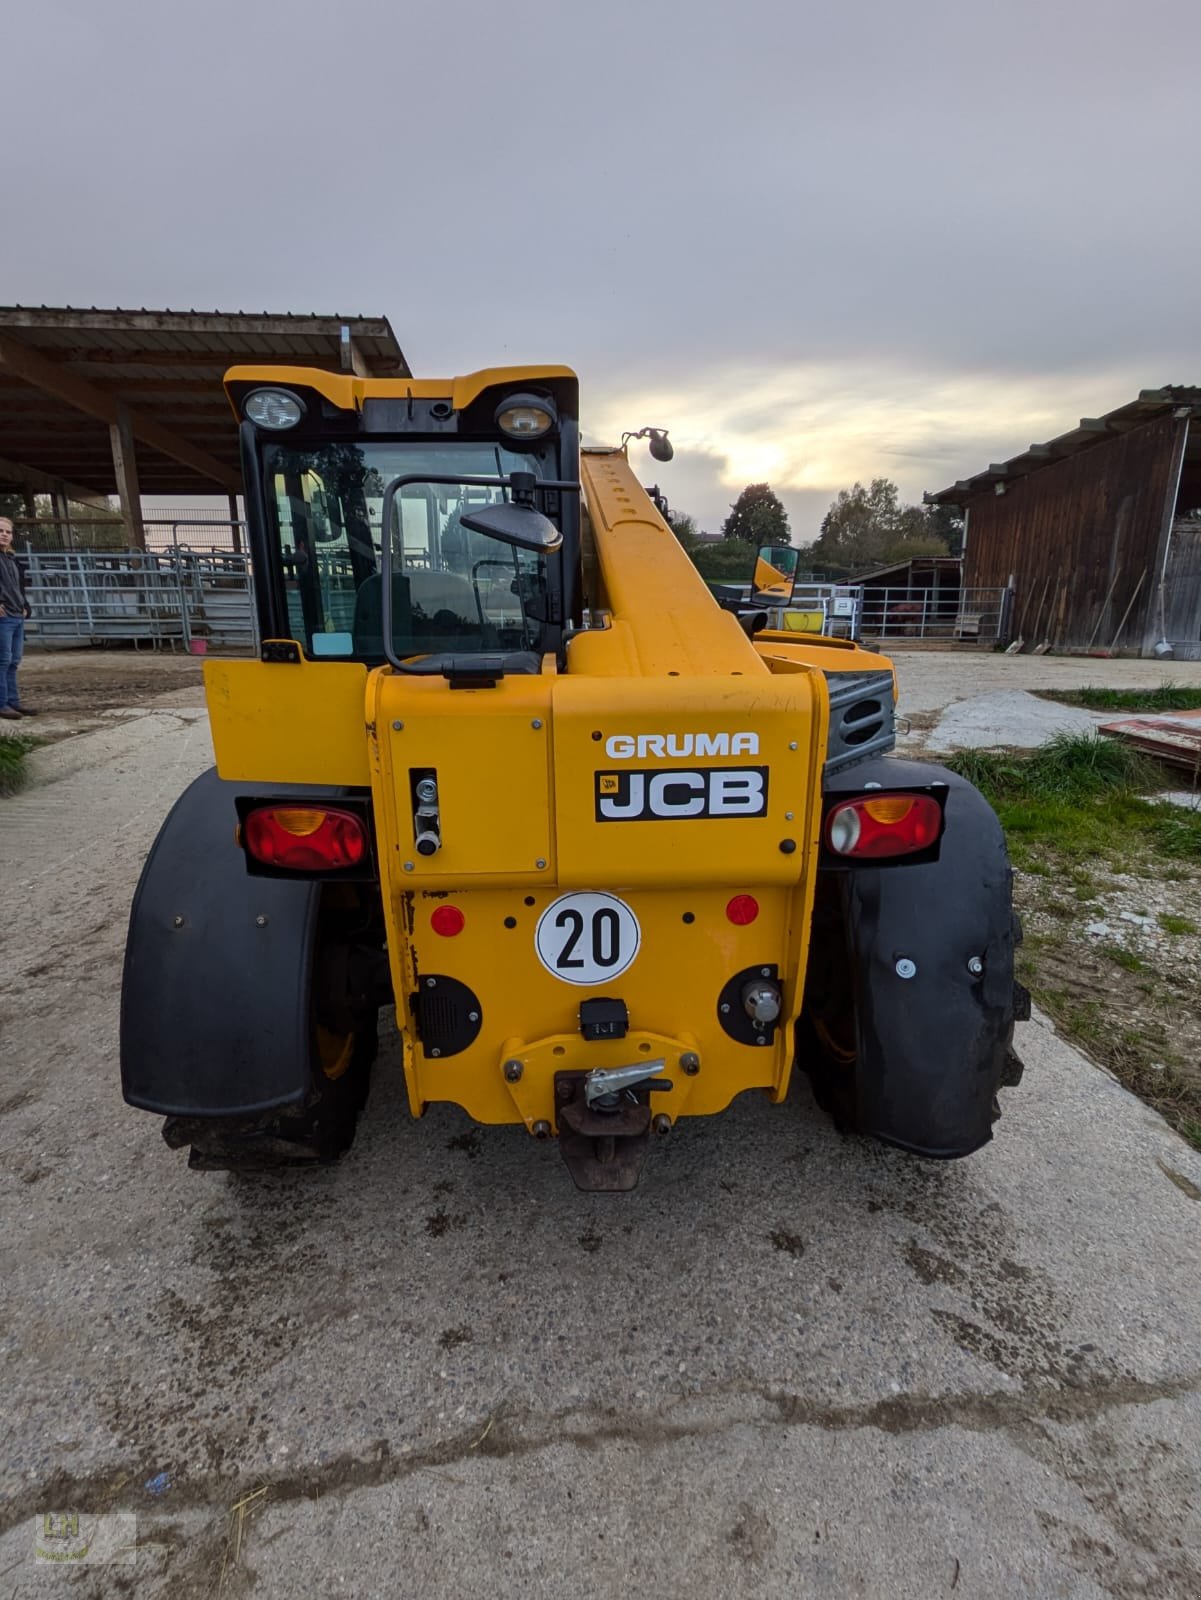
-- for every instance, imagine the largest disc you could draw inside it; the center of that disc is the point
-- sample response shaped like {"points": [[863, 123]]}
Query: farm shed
{"points": [[1100, 530]]}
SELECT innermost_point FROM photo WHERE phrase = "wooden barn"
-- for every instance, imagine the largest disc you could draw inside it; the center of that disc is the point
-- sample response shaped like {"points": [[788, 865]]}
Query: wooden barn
{"points": [[1099, 531]]}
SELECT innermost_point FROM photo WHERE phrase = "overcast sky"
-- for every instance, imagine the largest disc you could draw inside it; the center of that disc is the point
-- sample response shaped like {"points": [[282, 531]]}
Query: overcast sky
{"points": [[817, 242]]}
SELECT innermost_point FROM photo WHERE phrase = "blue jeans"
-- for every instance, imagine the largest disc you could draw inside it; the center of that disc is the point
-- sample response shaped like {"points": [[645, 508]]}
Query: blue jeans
{"points": [[12, 648]]}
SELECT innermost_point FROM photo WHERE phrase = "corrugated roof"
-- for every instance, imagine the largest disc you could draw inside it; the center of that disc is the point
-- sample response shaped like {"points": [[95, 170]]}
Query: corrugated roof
{"points": [[165, 366], [1091, 431]]}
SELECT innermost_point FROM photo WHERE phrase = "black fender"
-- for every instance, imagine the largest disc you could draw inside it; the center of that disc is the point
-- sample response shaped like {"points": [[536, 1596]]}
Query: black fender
{"points": [[917, 1060], [215, 1014]]}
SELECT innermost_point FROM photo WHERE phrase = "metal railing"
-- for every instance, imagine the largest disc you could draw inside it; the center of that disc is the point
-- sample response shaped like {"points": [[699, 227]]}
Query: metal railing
{"points": [[110, 533], [965, 616], [194, 600]]}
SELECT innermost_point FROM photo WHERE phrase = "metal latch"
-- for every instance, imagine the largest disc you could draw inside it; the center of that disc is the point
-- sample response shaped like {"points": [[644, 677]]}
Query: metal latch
{"points": [[602, 1082]]}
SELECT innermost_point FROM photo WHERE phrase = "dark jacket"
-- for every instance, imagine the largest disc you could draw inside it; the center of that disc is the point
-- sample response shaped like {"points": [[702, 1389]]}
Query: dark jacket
{"points": [[12, 586]]}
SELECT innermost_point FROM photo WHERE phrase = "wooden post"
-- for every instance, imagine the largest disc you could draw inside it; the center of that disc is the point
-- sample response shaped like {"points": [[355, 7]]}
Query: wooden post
{"points": [[125, 466], [61, 508]]}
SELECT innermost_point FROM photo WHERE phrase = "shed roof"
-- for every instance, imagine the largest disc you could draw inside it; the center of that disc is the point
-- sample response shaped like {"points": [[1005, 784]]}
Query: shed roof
{"points": [[1091, 431], [65, 371]]}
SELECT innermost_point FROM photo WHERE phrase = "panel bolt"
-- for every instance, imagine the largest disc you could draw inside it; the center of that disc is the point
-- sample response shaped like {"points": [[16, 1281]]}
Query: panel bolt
{"points": [[761, 1038], [435, 1051], [975, 966], [661, 1125], [513, 1071], [178, 922], [431, 983], [725, 1006], [473, 1016], [906, 968], [408, 866], [540, 864], [789, 815], [541, 1129], [765, 972], [397, 727], [537, 722], [260, 921], [690, 1063], [792, 744]]}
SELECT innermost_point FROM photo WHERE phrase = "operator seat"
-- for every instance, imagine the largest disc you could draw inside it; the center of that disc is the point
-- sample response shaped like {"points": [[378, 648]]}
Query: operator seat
{"points": [[368, 624]]}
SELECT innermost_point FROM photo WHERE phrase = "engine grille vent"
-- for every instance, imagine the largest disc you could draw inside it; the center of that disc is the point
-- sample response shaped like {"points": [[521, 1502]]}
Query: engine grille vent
{"points": [[862, 720]]}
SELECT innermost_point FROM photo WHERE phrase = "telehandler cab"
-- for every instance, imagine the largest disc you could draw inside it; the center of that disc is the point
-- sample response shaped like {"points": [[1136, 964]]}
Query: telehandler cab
{"points": [[505, 763]]}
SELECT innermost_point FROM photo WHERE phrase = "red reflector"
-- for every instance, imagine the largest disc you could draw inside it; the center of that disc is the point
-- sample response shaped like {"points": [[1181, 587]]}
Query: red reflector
{"points": [[305, 838], [448, 920], [743, 908], [879, 825]]}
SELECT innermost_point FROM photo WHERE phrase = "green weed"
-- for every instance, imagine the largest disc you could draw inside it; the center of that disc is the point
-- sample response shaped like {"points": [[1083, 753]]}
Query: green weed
{"points": [[1167, 697], [14, 747]]}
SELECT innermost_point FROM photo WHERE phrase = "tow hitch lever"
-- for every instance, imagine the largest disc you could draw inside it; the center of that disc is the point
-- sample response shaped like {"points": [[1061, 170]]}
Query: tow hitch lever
{"points": [[601, 1082]]}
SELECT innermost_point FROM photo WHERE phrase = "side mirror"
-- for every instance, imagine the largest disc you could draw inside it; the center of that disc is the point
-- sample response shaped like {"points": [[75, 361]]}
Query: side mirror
{"points": [[515, 524], [775, 572]]}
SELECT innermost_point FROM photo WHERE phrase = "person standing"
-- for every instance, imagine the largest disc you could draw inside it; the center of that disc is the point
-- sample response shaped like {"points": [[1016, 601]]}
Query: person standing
{"points": [[13, 610]]}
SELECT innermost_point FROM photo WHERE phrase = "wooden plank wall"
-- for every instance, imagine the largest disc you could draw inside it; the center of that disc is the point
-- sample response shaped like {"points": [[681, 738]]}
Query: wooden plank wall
{"points": [[1081, 536]]}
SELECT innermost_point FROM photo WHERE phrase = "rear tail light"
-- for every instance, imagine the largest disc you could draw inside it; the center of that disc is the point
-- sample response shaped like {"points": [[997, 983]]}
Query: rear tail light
{"points": [[879, 825], [305, 838]]}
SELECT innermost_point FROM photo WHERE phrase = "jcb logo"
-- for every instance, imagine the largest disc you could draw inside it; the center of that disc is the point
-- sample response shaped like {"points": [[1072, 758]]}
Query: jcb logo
{"points": [[671, 796]]}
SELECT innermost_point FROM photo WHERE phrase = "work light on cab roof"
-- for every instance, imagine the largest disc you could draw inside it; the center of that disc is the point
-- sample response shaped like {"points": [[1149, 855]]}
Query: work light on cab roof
{"points": [[525, 416], [274, 409]]}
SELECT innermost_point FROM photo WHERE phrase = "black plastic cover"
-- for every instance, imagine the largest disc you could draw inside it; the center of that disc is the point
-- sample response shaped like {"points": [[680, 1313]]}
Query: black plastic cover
{"points": [[930, 1048], [603, 1018], [214, 998]]}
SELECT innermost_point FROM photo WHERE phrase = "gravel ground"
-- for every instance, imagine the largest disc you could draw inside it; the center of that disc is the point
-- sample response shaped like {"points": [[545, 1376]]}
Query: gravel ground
{"points": [[789, 1364]]}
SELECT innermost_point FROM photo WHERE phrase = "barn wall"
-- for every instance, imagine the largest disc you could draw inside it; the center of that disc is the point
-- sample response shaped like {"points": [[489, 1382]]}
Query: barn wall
{"points": [[1079, 534]]}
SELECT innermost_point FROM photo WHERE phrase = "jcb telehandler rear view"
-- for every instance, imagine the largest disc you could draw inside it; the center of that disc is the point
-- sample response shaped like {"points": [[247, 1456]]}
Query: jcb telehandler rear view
{"points": [[505, 763]]}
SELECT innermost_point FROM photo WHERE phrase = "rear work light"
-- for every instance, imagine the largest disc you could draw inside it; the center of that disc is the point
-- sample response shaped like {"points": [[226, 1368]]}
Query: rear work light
{"points": [[305, 838], [875, 826]]}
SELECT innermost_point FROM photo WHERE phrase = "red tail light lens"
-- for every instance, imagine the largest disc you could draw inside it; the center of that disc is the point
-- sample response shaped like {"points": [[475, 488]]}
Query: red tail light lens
{"points": [[879, 825], [305, 838]]}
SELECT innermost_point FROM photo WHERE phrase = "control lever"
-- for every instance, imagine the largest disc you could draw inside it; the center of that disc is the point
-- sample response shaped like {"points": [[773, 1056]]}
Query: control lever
{"points": [[602, 1082]]}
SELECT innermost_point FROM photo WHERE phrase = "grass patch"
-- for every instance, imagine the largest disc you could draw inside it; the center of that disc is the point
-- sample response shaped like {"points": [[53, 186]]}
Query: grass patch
{"points": [[1081, 798], [1167, 697], [14, 747], [1123, 958], [1074, 808]]}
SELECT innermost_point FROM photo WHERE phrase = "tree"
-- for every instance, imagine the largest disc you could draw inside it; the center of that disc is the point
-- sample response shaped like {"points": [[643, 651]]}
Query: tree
{"points": [[724, 561], [946, 523], [757, 517], [868, 527], [685, 529]]}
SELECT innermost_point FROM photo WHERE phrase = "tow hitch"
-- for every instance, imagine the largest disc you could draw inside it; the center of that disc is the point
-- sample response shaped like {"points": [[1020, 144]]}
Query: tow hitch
{"points": [[605, 1122]]}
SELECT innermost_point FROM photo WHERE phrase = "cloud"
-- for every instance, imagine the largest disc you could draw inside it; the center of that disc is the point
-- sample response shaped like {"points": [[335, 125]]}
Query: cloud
{"points": [[813, 429]]}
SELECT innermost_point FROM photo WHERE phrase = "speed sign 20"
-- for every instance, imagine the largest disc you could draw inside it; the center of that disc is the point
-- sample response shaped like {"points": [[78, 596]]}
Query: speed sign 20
{"points": [[587, 938]]}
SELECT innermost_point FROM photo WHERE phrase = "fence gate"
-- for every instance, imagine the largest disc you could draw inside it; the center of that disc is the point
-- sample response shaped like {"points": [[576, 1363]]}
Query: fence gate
{"points": [[185, 599], [967, 616]]}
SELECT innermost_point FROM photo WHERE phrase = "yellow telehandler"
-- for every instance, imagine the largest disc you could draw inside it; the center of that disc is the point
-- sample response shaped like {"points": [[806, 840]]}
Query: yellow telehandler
{"points": [[504, 762]]}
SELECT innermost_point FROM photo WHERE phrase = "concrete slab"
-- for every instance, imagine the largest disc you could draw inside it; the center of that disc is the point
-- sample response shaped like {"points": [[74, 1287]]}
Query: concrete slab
{"points": [[1007, 719]]}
